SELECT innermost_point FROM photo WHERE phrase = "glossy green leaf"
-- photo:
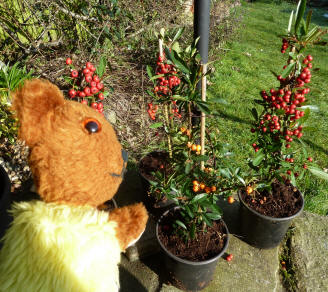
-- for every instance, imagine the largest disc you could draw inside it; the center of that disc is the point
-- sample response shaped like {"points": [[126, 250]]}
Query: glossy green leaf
{"points": [[299, 14], [288, 70], [149, 71], [258, 158], [308, 21], [101, 68], [188, 167], [180, 223], [318, 172], [198, 197], [213, 216]]}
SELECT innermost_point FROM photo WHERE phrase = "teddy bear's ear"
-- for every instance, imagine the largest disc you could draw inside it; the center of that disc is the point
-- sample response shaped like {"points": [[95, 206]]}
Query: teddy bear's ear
{"points": [[31, 103]]}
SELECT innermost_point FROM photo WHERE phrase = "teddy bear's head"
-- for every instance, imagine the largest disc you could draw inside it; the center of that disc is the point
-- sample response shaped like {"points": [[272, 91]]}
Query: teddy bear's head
{"points": [[75, 156]]}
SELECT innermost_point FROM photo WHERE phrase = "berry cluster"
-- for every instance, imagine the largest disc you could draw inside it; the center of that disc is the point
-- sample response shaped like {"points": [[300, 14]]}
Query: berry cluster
{"points": [[152, 109], [200, 186], [86, 86], [165, 84], [284, 46]]}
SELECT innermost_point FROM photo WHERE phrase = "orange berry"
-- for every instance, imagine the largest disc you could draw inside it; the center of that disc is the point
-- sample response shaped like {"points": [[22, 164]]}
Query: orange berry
{"points": [[202, 186], [189, 144], [188, 133], [198, 148], [198, 153], [231, 199], [182, 129], [207, 190], [193, 147], [195, 182], [213, 188], [249, 190], [195, 188]]}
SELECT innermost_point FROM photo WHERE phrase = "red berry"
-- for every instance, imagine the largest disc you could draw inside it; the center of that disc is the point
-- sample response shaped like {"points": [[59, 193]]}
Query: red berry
{"points": [[74, 73], [96, 78], [229, 258], [100, 86], [309, 65], [288, 146], [68, 61], [94, 105], [88, 78], [309, 57], [253, 130], [101, 96], [86, 71], [72, 93], [87, 91], [88, 65], [305, 166], [310, 159], [100, 105], [289, 172], [94, 90], [81, 94], [84, 101]]}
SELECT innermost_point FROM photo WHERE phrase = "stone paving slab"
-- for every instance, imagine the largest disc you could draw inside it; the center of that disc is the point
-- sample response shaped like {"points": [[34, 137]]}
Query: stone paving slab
{"points": [[309, 252], [250, 270]]}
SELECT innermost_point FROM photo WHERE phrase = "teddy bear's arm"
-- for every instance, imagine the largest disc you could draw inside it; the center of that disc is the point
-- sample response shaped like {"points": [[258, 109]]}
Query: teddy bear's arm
{"points": [[131, 222]]}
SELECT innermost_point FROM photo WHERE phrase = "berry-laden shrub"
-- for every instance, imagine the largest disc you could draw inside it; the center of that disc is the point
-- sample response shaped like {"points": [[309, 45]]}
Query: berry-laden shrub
{"points": [[280, 152], [86, 84]]}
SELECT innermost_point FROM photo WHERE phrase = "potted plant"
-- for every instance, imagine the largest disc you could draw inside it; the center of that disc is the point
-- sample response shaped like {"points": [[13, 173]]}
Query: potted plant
{"points": [[192, 235], [271, 199], [175, 94]]}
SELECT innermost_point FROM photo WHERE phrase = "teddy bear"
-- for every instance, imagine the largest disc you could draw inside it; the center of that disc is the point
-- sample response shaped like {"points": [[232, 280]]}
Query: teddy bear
{"points": [[64, 242]]}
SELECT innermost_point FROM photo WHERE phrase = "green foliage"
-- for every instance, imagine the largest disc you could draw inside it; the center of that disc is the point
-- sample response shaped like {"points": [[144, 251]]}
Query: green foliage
{"points": [[285, 111], [10, 78], [8, 124]]}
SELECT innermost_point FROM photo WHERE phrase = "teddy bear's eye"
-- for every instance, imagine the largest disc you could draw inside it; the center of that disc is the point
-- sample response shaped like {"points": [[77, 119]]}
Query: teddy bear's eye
{"points": [[92, 125]]}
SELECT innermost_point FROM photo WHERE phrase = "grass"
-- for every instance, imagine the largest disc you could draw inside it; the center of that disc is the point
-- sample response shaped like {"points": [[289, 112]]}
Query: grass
{"points": [[245, 69]]}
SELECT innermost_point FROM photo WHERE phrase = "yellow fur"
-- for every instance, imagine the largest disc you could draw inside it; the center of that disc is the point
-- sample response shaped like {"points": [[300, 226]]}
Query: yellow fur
{"points": [[59, 248]]}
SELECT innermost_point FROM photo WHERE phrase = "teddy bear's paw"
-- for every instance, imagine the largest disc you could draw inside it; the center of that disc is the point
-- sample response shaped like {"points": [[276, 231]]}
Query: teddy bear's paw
{"points": [[131, 223]]}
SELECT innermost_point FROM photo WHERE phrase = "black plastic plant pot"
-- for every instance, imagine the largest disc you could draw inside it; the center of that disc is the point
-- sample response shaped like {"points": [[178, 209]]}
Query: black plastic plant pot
{"points": [[263, 231], [188, 275], [5, 201]]}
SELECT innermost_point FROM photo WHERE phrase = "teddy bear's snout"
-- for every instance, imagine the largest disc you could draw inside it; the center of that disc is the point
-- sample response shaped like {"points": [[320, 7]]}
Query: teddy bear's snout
{"points": [[125, 157]]}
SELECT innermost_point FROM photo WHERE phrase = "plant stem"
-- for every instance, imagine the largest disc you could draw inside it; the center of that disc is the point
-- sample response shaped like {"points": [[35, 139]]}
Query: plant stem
{"points": [[167, 125]]}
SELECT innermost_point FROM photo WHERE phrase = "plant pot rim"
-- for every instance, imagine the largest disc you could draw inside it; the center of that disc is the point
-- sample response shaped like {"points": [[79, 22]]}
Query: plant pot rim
{"points": [[5, 188], [269, 217], [193, 263]]}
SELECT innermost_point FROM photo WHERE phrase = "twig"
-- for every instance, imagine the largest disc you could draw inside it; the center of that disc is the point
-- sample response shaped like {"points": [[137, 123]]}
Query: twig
{"points": [[74, 15]]}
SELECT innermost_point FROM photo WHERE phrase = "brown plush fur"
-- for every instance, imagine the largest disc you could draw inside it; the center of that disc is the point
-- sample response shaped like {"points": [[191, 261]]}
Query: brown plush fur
{"points": [[70, 165]]}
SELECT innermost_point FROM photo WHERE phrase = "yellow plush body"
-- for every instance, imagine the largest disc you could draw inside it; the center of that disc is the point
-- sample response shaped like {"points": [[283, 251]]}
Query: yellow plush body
{"points": [[57, 247]]}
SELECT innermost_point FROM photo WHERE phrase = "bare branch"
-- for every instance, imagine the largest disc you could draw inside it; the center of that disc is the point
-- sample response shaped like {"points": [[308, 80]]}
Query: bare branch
{"points": [[74, 15]]}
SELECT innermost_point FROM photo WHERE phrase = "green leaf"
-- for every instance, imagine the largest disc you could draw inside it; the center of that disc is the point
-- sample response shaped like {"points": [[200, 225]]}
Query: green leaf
{"points": [[308, 21], [149, 71], [156, 125], [203, 106], [218, 101], [177, 61], [156, 76], [198, 197], [241, 180], [101, 68], [200, 158], [288, 70], [178, 34], [225, 172], [299, 15], [254, 113], [318, 172], [188, 167], [293, 179], [213, 216], [258, 158], [206, 220], [193, 230], [290, 21], [178, 222], [190, 214]]}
